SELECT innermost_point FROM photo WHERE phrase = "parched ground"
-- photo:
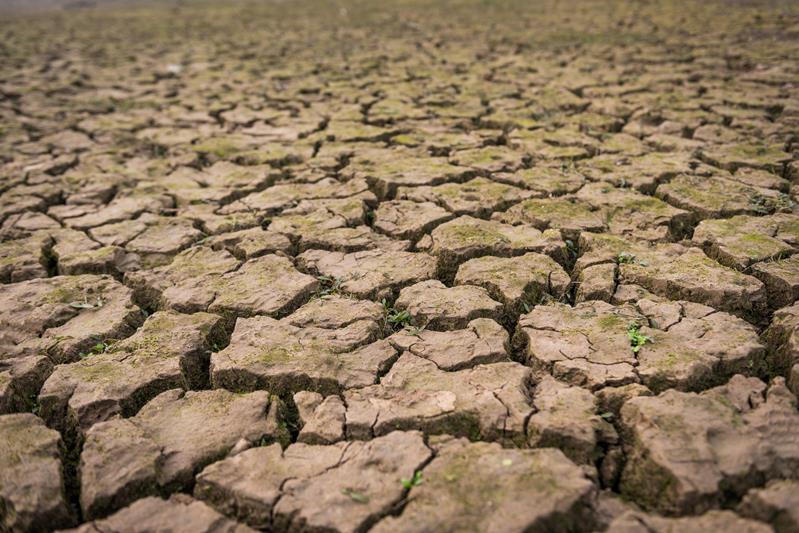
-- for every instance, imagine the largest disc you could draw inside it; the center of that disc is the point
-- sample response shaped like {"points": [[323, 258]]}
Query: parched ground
{"points": [[464, 265]]}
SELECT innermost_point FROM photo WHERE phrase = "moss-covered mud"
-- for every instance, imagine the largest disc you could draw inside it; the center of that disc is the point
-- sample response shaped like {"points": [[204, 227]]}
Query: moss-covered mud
{"points": [[462, 265]]}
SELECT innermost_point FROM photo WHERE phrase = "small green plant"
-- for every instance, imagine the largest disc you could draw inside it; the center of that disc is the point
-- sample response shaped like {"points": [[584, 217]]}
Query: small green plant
{"points": [[766, 204], [355, 496], [399, 318], [543, 298], [98, 348], [571, 249], [395, 318], [331, 285], [637, 339], [414, 331], [629, 259], [415, 481]]}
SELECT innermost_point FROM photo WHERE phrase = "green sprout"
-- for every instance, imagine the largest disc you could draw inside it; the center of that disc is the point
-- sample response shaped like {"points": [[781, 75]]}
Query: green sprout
{"points": [[394, 317], [414, 331], [626, 258], [98, 348], [331, 285], [415, 481], [637, 339]]}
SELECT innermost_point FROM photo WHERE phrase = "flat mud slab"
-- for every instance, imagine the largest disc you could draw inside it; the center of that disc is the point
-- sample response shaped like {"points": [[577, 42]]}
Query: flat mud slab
{"points": [[463, 265]]}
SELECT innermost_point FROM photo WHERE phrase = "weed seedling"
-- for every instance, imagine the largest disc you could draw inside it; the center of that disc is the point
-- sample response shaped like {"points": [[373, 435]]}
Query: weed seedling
{"points": [[764, 205], [330, 285], [399, 318], [98, 348], [637, 339], [415, 481], [629, 259], [395, 318], [413, 331], [571, 249]]}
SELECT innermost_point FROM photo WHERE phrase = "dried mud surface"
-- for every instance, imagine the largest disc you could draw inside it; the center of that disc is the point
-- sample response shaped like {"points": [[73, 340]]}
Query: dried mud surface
{"points": [[364, 266]]}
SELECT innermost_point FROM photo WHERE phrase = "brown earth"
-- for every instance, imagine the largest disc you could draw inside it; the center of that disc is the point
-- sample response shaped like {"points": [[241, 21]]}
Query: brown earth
{"points": [[463, 265]]}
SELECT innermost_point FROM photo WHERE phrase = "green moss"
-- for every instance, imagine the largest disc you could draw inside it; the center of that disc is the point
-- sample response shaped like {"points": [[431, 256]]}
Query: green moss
{"points": [[647, 484], [756, 152], [649, 204], [406, 139], [460, 479], [611, 322], [402, 167], [18, 444], [555, 209], [198, 263], [476, 234], [728, 410], [789, 227], [145, 346], [757, 244], [708, 193], [278, 354], [64, 294], [483, 156], [103, 253], [672, 359], [273, 155], [477, 187], [219, 147], [103, 371]]}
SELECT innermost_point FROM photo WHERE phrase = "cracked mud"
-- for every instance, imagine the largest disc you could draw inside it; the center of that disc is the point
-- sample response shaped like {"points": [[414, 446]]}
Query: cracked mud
{"points": [[452, 266]]}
